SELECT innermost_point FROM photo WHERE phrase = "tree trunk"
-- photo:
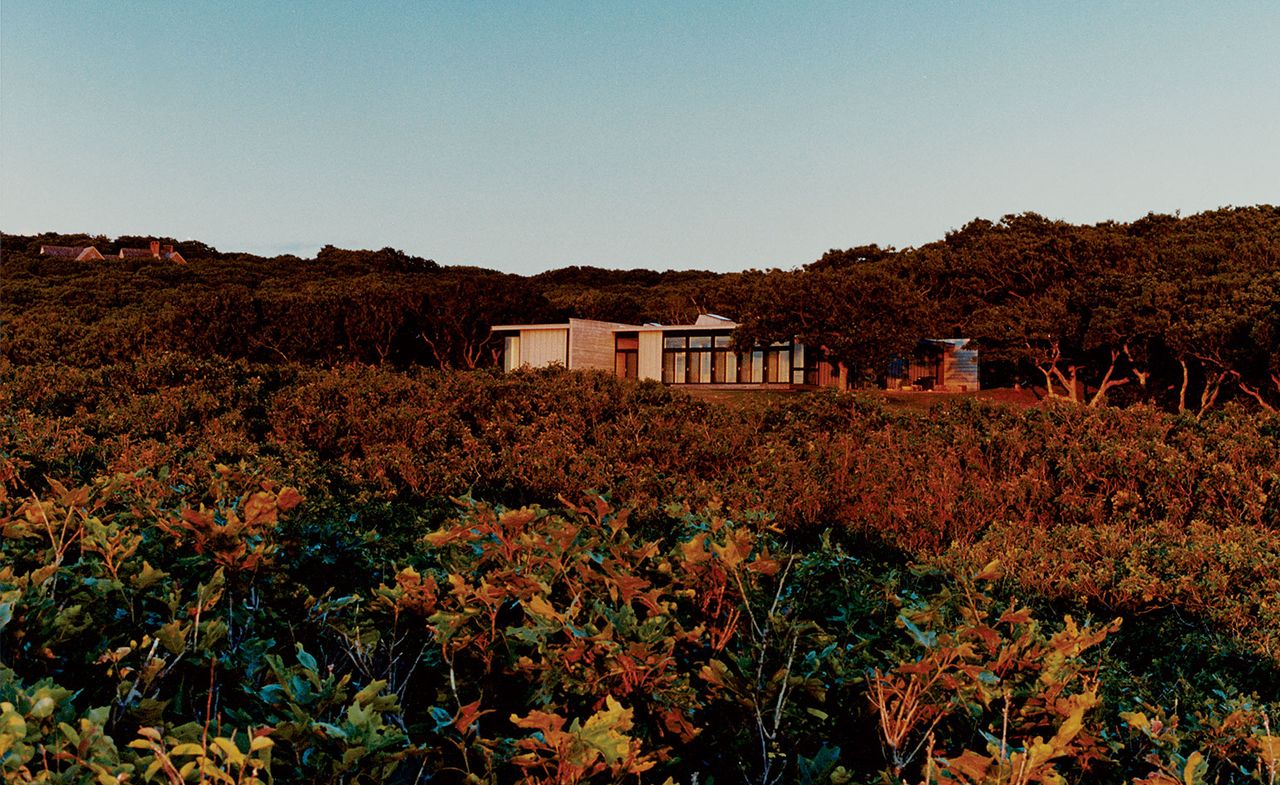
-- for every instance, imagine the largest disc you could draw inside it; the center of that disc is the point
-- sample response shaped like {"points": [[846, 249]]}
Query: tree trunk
{"points": [[442, 361], [1048, 382], [1253, 393], [1212, 386], [1186, 382], [1075, 390], [1142, 376], [1107, 382]]}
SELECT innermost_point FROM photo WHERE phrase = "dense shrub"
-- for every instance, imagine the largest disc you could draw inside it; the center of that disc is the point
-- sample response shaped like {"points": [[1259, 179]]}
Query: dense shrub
{"points": [[281, 572]]}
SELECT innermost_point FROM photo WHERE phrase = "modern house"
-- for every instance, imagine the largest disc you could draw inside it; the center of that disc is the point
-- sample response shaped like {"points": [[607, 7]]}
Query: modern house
{"points": [[698, 353], [702, 354], [79, 253]]}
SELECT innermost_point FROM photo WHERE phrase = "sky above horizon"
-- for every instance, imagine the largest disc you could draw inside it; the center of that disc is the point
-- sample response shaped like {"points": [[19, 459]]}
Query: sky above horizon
{"points": [[533, 135]]}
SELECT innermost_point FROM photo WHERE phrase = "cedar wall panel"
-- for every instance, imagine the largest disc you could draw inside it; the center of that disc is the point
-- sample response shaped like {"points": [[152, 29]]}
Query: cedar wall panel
{"points": [[591, 344], [827, 374], [540, 348], [650, 359]]}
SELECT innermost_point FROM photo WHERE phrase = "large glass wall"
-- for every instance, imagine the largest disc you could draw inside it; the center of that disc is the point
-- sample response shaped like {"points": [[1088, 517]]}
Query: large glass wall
{"points": [[708, 358]]}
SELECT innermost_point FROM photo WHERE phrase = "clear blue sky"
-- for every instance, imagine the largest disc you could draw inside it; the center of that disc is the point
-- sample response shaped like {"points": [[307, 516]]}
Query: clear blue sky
{"points": [[530, 135]]}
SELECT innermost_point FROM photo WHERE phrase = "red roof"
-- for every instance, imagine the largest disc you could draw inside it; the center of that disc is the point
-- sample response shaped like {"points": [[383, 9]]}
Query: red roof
{"points": [[77, 252], [62, 250]]}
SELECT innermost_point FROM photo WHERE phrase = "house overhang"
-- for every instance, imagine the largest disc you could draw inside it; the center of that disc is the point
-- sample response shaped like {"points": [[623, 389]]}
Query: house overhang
{"points": [[515, 328]]}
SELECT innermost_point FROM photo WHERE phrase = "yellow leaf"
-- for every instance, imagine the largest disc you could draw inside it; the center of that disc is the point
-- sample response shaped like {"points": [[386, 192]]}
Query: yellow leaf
{"points": [[1192, 773], [971, 765], [541, 608], [1071, 726], [695, 550], [990, 572], [228, 747], [187, 749], [1269, 746], [604, 731]]}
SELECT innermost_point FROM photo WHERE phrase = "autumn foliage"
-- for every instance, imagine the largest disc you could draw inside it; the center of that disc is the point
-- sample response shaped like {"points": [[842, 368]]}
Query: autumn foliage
{"points": [[249, 539]]}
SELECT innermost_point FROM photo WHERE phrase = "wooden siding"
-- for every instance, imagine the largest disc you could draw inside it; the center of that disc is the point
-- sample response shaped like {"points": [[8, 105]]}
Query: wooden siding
{"points": [[923, 372], [539, 348], [591, 344], [827, 375], [651, 355]]}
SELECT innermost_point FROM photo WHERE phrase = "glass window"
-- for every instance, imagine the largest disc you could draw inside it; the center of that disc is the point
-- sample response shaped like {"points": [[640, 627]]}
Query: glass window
{"points": [[720, 366], [673, 342], [680, 375], [778, 366], [627, 364], [511, 353], [700, 342], [699, 367], [731, 368], [722, 341]]}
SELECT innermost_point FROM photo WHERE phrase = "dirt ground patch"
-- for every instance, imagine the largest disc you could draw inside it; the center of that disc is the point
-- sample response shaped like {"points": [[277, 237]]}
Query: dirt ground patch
{"points": [[927, 400], [897, 399]]}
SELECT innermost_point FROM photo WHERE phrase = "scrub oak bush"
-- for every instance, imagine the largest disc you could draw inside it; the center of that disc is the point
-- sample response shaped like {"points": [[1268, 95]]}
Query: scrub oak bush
{"points": [[296, 561]]}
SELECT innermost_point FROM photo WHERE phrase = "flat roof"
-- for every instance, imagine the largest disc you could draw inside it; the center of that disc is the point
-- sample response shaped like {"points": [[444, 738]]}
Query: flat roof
{"points": [[625, 328], [663, 328], [560, 326]]}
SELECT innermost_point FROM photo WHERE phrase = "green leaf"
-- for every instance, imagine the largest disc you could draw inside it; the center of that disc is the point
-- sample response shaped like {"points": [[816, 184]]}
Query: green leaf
{"points": [[925, 639], [305, 659], [811, 771]]}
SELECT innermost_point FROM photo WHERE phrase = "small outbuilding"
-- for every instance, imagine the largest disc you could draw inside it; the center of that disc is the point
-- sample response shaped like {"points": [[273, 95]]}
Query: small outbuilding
{"points": [[938, 364]]}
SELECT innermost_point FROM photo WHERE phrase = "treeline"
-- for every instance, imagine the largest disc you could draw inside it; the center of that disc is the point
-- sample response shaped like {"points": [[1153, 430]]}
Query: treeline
{"points": [[342, 306], [1181, 312]]}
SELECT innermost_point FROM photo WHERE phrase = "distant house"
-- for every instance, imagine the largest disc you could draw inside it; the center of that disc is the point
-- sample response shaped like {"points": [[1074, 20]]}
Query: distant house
{"points": [[154, 252], [90, 253], [79, 253], [702, 354]]}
